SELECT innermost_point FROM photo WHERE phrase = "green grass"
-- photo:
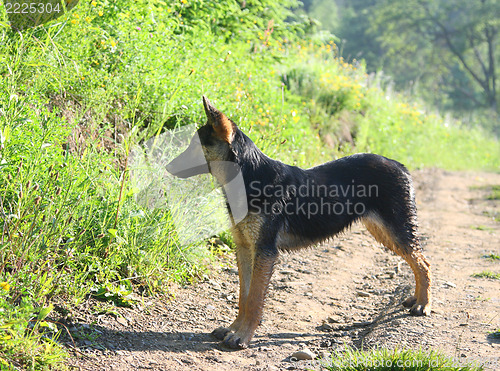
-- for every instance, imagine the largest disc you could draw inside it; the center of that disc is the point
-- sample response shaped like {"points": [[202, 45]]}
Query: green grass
{"points": [[344, 97], [80, 94], [482, 228], [492, 214], [492, 257], [28, 340], [493, 189], [386, 359], [487, 274], [495, 193]]}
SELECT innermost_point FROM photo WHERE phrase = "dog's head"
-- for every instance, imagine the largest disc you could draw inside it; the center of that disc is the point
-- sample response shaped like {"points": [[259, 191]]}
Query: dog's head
{"points": [[209, 148]]}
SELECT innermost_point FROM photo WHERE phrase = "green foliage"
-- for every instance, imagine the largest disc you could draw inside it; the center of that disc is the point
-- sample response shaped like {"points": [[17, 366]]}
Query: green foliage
{"points": [[120, 295], [492, 257], [495, 193], [75, 97], [464, 34], [487, 274], [343, 97], [79, 94], [445, 51], [27, 339]]}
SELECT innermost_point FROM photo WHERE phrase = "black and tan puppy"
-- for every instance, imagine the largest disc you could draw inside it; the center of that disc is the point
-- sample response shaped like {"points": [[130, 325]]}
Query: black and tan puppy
{"points": [[288, 208]]}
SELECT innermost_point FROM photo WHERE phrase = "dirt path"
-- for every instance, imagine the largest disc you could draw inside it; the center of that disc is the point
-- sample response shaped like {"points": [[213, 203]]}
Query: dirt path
{"points": [[344, 293]]}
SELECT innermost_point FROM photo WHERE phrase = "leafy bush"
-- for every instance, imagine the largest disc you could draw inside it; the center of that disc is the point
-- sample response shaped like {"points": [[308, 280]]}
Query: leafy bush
{"points": [[381, 121]]}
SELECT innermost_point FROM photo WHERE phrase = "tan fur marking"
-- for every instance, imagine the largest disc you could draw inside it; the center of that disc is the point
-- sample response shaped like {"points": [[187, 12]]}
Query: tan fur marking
{"points": [[244, 260], [261, 275], [224, 128], [248, 230], [420, 267], [381, 234], [245, 235], [416, 260]]}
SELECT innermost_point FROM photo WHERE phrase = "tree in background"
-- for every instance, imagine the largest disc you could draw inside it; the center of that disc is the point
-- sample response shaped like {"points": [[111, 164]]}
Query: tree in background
{"points": [[453, 43], [445, 50], [326, 12]]}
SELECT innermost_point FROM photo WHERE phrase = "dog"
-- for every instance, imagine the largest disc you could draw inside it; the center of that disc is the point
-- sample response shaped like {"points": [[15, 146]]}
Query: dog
{"points": [[289, 208]]}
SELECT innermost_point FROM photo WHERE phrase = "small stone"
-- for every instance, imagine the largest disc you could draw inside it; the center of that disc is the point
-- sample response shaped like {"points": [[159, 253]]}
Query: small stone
{"points": [[362, 294], [122, 321], [215, 285], [326, 343], [304, 354], [326, 327], [335, 319], [324, 354]]}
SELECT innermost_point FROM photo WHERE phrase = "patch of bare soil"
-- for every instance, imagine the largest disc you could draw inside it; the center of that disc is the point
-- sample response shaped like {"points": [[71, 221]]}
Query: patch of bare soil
{"points": [[344, 293]]}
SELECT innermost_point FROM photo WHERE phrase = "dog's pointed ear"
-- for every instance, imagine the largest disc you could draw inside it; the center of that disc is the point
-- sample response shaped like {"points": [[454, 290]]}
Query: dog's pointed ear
{"points": [[224, 128]]}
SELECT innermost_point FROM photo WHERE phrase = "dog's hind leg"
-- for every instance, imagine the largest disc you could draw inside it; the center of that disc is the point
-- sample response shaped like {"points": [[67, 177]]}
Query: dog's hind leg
{"points": [[244, 261], [249, 319], [409, 249], [420, 303]]}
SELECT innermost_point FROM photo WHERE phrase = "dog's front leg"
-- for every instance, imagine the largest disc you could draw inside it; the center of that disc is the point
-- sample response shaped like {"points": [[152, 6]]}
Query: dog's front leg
{"points": [[251, 313], [245, 263]]}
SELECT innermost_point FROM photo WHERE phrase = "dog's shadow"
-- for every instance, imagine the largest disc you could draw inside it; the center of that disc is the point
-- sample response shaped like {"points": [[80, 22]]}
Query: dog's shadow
{"points": [[93, 338], [83, 336]]}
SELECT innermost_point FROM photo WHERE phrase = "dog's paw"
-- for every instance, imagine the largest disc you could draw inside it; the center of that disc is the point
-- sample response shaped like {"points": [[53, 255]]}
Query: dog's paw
{"points": [[221, 332], [234, 341], [420, 310], [410, 302]]}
